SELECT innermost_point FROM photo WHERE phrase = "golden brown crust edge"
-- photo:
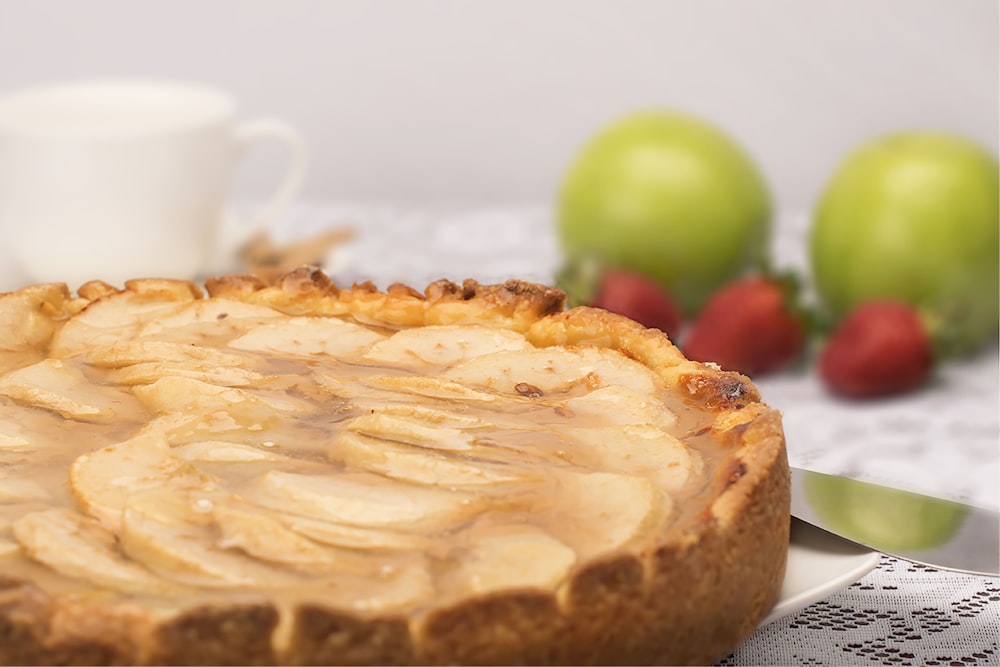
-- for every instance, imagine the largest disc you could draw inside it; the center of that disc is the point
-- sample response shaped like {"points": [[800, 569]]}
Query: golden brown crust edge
{"points": [[686, 602]]}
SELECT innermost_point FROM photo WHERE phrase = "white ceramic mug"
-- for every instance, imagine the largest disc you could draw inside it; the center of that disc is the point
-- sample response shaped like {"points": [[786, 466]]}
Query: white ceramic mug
{"points": [[126, 179]]}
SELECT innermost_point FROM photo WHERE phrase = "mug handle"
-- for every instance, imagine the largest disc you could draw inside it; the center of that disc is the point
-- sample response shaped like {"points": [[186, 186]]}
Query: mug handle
{"points": [[238, 231]]}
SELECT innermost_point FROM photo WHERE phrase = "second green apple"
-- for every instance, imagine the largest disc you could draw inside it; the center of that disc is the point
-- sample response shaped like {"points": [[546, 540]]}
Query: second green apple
{"points": [[914, 216], [669, 196]]}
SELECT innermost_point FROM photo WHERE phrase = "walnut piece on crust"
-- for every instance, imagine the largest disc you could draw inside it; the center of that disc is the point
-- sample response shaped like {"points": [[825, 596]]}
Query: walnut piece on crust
{"points": [[296, 472]]}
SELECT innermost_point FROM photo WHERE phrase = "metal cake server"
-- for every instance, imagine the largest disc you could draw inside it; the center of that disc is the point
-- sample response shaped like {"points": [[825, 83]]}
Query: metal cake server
{"points": [[922, 529]]}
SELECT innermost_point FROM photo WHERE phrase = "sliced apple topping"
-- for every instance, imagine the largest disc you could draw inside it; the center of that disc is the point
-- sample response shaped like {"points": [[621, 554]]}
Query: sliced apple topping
{"points": [[512, 557], [223, 376], [432, 416], [415, 464], [360, 499], [428, 387], [79, 547], [173, 534], [61, 387], [14, 443], [144, 361], [553, 370], [356, 537], [221, 451], [601, 511], [395, 586], [642, 449], [176, 394], [103, 480], [415, 429], [13, 438], [110, 320], [442, 345], [618, 405], [28, 318], [191, 426], [214, 317], [308, 336], [129, 353], [17, 490], [264, 537]]}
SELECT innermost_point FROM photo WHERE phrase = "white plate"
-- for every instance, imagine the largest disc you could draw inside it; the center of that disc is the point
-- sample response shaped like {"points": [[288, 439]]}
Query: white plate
{"points": [[819, 564]]}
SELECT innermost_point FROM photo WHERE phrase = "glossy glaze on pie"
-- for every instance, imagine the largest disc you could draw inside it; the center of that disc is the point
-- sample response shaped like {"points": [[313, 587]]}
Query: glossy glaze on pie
{"points": [[302, 474]]}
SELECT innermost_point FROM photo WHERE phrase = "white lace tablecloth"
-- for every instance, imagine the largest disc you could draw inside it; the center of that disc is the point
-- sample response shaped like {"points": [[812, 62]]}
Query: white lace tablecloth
{"points": [[942, 440]]}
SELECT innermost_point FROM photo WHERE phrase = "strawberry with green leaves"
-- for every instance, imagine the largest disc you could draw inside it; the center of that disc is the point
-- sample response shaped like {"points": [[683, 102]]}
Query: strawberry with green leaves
{"points": [[624, 292], [752, 326], [881, 348]]}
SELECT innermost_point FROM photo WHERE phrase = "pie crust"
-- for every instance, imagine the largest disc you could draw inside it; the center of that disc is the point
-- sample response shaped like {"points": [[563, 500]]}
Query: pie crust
{"points": [[297, 473]]}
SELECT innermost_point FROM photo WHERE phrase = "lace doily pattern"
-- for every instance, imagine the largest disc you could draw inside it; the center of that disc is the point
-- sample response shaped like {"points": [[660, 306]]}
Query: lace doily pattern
{"points": [[899, 614]]}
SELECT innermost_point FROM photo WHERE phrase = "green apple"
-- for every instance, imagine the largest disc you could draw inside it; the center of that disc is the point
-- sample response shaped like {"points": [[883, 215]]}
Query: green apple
{"points": [[885, 518], [914, 216], [669, 196]]}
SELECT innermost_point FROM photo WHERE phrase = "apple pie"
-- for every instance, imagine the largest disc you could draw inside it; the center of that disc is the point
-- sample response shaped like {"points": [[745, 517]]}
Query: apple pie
{"points": [[296, 473]]}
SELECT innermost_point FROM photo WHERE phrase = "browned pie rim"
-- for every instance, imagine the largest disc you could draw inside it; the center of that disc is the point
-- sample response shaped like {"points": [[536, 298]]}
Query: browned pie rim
{"points": [[688, 598]]}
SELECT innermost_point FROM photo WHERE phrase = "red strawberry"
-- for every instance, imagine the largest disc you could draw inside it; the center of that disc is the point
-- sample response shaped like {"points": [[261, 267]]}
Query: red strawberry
{"points": [[880, 348], [639, 298], [748, 326]]}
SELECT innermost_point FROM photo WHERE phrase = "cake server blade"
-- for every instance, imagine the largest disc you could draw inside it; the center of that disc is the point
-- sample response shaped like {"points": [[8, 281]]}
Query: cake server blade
{"points": [[923, 529]]}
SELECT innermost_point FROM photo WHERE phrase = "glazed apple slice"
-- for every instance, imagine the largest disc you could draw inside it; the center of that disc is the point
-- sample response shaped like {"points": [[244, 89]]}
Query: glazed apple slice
{"points": [[219, 375], [222, 451], [359, 499], [421, 427], [308, 336], [512, 556], [175, 394], [442, 345], [395, 586], [119, 316], [213, 317], [262, 536], [355, 537], [651, 453], [102, 481], [598, 512], [60, 386], [419, 465], [172, 533], [618, 405], [538, 372], [428, 387], [121, 354], [14, 437], [79, 547]]}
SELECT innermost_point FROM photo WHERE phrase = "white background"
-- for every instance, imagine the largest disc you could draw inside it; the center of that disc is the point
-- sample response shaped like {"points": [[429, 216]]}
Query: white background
{"points": [[448, 102]]}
